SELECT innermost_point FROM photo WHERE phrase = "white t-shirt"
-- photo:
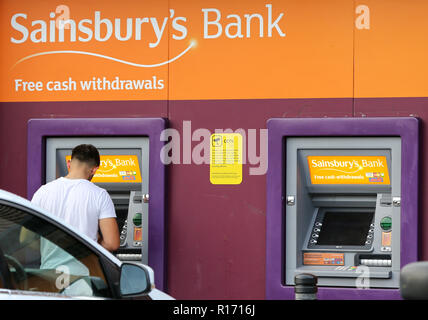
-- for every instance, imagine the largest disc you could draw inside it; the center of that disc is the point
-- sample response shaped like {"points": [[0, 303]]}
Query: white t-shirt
{"points": [[78, 202]]}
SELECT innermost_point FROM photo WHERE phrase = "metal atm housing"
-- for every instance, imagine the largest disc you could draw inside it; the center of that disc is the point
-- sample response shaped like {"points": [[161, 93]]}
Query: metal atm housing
{"points": [[295, 205], [129, 198], [346, 234]]}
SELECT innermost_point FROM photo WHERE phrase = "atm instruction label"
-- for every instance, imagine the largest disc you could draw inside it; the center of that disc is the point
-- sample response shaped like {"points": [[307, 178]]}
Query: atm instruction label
{"points": [[348, 170], [226, 158], [323, 259]]}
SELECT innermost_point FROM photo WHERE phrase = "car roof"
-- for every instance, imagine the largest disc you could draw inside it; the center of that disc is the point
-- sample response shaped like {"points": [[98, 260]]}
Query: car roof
{"points": [[13, 198]]}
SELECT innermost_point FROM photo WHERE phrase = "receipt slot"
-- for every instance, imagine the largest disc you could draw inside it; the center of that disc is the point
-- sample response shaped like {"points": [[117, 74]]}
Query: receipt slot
{"points": [[346, 207], [130, 170]]}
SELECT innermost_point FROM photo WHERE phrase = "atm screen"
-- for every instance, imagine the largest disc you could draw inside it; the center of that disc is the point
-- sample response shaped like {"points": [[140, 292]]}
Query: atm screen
{"points": [[117, 169], [345, 228]]}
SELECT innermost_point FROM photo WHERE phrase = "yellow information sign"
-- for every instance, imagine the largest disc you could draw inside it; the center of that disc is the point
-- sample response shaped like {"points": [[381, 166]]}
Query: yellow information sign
{"points": [[117, 169], [348, 170], [226, 158]]}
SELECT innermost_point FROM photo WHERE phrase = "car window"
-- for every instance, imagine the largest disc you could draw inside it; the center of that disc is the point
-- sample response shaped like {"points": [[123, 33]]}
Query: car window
{"points": [[38, 256]]}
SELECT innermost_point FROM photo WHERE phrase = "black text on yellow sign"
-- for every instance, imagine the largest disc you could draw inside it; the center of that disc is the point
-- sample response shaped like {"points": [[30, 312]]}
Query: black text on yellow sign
{"points": [[226, 158]]}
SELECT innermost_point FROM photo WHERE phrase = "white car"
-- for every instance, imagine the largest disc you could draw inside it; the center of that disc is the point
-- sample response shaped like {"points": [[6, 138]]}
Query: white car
{"points": [[42, 258]]}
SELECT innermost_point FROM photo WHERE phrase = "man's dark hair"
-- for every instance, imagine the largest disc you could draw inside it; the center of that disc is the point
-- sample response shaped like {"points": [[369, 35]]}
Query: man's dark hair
{"points": [[86, 153]]}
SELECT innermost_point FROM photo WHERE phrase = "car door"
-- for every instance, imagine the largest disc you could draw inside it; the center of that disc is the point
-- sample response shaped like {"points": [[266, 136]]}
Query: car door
{"points": [[37, 254]]}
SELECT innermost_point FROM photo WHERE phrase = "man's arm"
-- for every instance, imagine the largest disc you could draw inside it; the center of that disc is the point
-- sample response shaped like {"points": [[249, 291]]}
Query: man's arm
{"points": [[27, 237], [110, 234]]}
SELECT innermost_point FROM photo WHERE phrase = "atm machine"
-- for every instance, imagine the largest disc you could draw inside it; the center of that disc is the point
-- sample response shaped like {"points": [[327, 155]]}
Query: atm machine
{"points": [[124, 174], [342, 205], [131, 171], [343, 210]]}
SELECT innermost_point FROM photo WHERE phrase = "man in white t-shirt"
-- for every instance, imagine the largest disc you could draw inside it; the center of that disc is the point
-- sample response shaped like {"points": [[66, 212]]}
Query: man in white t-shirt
{"points": [[81, 204]]}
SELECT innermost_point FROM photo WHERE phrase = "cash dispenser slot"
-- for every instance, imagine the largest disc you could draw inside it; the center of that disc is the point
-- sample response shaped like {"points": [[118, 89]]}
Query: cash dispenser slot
{"points": [[321, 200]]}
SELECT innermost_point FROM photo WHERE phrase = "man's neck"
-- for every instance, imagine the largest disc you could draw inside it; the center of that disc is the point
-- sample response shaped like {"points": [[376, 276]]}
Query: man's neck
{"points": [[76, 175]]}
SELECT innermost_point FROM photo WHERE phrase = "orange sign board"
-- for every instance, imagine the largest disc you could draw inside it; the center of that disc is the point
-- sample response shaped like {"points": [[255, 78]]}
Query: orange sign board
{"points": [[214, 49], [73, 50], [348, 170], [323, 259], [175, 49], [117, 169], [382, 46]]}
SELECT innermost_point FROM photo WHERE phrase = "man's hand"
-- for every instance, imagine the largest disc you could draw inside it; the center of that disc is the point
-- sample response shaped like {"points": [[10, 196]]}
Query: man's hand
{"points": [[110, 234]]}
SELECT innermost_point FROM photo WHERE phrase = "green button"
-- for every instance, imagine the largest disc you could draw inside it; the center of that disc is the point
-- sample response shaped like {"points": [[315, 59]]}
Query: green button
{"points": [[137, 219], [386, 223]]}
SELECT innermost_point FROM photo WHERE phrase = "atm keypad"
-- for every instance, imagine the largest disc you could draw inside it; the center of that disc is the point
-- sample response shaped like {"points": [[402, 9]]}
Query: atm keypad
{"points": [[376, 262]]}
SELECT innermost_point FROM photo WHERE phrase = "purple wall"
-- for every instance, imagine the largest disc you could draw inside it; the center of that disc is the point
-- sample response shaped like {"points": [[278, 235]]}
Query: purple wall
{"points": [[216, 234]]}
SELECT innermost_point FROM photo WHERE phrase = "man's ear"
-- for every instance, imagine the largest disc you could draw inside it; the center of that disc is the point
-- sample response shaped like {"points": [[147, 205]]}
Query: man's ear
{"points": [[68, 164], [94, 169]]}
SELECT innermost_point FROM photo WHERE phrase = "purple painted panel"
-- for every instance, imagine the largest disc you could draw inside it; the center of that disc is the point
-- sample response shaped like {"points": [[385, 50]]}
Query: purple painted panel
{"points": [[38, 129], [406, 128], [228, 259], [14, 117], [217, 233]]}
